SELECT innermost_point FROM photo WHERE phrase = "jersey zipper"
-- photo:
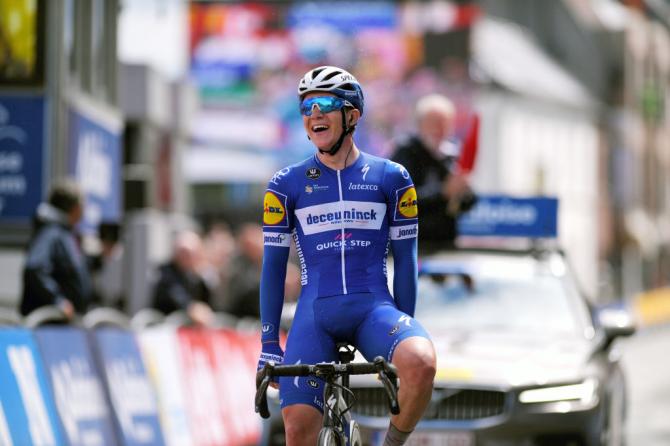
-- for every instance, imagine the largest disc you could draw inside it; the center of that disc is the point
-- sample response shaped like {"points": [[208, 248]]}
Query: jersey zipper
{"points": [[342, 239]]}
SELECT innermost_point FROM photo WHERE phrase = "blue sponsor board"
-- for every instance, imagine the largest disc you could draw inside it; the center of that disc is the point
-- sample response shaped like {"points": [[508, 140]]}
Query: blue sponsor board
{"points": [[504, 216], [221, 73], [95, 161], [346, 16], [77, 387], [131, 392], [21, 156], [27, 411]]}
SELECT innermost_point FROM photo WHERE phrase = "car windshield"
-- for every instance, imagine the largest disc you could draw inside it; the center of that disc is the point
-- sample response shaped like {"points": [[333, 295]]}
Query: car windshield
{"points": [[503, 297]]}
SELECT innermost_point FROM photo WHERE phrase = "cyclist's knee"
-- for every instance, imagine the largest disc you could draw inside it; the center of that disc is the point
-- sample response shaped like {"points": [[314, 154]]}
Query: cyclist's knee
{"points": [[415, 359]]}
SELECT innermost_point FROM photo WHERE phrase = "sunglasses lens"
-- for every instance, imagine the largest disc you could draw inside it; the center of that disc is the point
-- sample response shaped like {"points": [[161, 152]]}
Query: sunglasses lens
{"points": [[326, 104]]}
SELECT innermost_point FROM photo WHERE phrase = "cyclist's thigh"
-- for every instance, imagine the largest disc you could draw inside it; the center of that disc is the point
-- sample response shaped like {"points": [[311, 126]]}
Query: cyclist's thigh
{"points": [[384, 327], [306, 344]]}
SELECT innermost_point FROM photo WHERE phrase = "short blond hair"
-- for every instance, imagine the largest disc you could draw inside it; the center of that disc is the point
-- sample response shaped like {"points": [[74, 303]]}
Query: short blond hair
{"points": [[434, 103]]}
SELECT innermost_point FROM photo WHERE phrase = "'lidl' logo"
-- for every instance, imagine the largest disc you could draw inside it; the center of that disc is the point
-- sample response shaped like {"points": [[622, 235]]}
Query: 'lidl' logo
{"points": [[273, 209], [407, 204]]}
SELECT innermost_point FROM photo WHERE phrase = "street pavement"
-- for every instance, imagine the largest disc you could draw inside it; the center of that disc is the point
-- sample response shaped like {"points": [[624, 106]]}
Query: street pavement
{"points": [[646, 360]]}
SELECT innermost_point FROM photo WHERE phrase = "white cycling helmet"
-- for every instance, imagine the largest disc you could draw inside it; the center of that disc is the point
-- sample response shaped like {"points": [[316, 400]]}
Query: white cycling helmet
{"points": [[333, 80]]}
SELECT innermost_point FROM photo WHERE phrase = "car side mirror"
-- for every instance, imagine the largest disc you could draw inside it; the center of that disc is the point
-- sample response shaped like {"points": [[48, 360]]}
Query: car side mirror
{"points": [[616, 322]]}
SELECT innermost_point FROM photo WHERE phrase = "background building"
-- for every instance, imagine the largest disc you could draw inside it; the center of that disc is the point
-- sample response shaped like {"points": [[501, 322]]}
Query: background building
{"points": [[59, 116]]}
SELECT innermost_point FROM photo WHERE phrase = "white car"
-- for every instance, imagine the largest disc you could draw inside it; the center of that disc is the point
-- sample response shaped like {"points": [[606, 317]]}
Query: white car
{"points": [[523, 357]]}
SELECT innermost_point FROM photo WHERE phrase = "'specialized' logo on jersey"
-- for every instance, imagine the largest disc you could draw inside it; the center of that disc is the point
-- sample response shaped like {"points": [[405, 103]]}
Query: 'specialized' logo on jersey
{"points": [[407, 204], [274, 210]]}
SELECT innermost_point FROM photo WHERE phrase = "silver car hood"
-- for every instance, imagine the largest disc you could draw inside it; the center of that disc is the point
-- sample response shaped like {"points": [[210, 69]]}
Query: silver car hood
{"points": [[502, 359]]}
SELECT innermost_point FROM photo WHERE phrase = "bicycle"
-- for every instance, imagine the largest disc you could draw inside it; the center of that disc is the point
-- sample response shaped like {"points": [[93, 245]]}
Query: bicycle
{"points": [[338, 428]]}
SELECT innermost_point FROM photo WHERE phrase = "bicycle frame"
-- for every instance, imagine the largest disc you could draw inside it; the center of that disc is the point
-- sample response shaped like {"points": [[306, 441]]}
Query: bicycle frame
{"points": [[338, 429], [336, 415]]}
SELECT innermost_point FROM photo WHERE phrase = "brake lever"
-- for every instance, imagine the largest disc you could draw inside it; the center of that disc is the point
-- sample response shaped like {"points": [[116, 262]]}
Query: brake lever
{"points": [[389, 377], [391, 393], [263, 379], [261, 400]]}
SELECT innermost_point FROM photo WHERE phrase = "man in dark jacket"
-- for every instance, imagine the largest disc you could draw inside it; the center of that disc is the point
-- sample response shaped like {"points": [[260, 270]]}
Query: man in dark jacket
{"points": [[245, 273], [55, 271], [180, 286], [431, 157]]}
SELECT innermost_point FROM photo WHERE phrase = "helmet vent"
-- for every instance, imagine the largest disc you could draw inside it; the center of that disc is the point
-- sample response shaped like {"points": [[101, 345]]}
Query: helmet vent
{"points": [[316, 72], [331, 75]]}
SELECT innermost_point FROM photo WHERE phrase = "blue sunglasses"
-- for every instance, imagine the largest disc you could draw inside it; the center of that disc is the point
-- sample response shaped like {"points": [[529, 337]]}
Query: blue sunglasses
{"points": [[325, 104]]}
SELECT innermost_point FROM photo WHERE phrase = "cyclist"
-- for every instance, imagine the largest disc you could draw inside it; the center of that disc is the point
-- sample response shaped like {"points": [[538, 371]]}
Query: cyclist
{"points": [[343, 208]]}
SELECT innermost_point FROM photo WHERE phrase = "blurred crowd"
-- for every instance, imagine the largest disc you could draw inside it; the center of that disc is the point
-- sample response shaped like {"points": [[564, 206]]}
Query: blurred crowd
{"points": [[217, 270], [390, 98], [383, 45]]}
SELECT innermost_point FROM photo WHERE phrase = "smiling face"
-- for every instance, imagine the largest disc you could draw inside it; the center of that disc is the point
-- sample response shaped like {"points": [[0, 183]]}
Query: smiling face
{"points": [[324, 129]]}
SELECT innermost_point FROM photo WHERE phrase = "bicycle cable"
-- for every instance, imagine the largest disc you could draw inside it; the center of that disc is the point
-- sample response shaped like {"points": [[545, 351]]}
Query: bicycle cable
{"points": [[348, 406]]}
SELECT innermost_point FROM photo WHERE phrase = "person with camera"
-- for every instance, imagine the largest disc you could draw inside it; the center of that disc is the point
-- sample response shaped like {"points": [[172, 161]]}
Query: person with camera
{"points": [[431, 157]]}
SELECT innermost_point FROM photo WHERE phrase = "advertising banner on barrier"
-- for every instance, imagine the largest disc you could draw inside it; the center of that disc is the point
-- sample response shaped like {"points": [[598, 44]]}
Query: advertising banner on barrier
{"points": [[236, 356], [160, 353], [204, 402], [219, 369], [27, 411], [131, 393], [77, 386]]}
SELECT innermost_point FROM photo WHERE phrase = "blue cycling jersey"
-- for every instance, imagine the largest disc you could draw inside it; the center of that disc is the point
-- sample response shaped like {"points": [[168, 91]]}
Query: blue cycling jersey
{"points": [[341, 221]]}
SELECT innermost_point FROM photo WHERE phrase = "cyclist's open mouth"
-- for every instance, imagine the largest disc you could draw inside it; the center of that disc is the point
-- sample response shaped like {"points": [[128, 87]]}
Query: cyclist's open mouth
{"points": [[319, 128]]}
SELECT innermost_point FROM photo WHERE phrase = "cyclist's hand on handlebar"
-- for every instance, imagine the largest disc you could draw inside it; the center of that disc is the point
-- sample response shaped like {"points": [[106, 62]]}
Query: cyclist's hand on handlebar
{"points": [[271, 351]]}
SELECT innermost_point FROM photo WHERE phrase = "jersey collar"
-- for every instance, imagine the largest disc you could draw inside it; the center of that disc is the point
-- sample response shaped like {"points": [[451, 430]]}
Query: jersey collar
{"points": [[353, 166]]}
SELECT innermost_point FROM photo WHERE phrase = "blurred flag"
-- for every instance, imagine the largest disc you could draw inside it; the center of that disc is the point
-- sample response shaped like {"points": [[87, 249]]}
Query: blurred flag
{"points": [[466, 162]]}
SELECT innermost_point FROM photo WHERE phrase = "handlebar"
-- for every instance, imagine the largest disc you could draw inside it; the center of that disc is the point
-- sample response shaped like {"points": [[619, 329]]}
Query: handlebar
{"points": [[386, 371]]}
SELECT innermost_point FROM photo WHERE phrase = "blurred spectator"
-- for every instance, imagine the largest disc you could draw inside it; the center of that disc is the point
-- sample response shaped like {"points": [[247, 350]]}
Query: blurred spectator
{"points": [[431, 157], [219, 246], [55, 272], [245, 273], [107, 267], [180, 285]]}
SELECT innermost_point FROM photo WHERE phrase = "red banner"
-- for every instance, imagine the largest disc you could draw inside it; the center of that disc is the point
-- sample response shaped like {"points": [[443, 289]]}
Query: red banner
{"points": [[236, 355], [219, 370]]}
